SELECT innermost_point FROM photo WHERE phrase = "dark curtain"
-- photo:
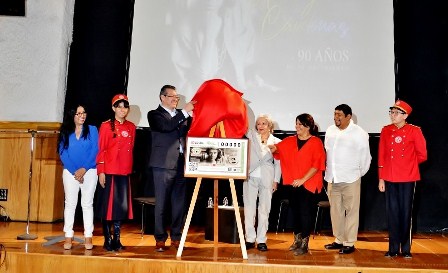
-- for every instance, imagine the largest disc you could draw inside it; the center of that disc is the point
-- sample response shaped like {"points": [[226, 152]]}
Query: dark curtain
{"points": [[421, 66], [99, 55]]}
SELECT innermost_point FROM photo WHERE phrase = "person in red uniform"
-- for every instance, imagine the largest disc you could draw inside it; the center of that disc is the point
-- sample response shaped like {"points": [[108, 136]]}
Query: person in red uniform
{"points": [[402, 148], [302, 161], [114, 164]]}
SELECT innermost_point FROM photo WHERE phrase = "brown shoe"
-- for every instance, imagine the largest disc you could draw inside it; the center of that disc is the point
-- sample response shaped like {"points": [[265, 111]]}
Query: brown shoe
{"points": [[175, 244], [68, 243], [160, 246], [88, 243]]}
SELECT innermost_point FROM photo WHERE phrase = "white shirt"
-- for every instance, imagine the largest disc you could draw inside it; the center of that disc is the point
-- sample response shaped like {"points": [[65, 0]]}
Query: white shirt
{"points": [[348, 153], [264, 150], [174, 112]]}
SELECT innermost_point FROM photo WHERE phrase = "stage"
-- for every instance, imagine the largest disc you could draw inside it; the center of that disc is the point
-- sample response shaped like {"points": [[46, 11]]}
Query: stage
{"points": [[430, 253]]}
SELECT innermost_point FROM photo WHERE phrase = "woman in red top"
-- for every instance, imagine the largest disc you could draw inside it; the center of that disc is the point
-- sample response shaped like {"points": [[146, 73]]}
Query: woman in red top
{"points": [[302, 160], [114, 165]]}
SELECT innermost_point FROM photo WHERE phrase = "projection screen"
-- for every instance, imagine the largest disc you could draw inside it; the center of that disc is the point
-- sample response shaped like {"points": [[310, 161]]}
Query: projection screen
{"points": [[287, 57]]}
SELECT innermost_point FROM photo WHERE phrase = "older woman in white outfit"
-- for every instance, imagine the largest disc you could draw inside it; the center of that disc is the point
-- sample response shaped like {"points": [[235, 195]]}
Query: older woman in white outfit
{"points": [[264, 175]]}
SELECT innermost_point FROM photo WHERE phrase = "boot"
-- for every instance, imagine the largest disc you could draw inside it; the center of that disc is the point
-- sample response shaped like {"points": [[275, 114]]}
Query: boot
{"points": [[116, 244], [297, 241], [107, 237], [303, 249]]}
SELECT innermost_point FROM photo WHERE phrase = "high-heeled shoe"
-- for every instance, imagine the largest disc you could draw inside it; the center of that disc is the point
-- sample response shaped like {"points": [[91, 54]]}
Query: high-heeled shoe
{"points": [[88, 243], [68, 243]]}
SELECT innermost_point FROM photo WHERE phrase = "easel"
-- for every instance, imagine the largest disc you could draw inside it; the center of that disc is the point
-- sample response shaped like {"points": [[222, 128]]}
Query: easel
{"points": [[219, 126]]}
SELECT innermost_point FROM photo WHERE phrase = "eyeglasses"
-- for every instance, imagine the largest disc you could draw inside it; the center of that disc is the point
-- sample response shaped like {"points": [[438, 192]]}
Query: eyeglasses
{"points": [[395, 113], [173, 96], [122, 107], [81, 114]]}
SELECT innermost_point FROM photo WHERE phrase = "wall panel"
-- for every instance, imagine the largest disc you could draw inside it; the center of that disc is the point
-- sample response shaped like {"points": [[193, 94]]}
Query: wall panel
{"points": [[47, 195]]}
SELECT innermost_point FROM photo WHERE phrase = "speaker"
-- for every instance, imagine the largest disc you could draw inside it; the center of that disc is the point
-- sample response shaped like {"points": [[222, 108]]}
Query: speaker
{"points": [[227, 230]]}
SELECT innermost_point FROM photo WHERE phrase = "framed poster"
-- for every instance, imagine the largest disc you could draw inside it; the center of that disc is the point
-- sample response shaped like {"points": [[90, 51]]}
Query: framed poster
{"points": [[216, 157]]}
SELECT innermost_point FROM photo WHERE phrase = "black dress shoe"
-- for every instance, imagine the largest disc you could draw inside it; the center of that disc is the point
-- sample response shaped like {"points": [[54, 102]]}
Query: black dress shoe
{"points": [[390, 254], [262, 247], [347, 250], [250, 245], [407, 255], [334, 245]]}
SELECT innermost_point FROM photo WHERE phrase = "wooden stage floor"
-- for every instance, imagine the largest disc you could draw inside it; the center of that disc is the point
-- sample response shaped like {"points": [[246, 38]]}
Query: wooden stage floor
{"points": [[430, 254]]}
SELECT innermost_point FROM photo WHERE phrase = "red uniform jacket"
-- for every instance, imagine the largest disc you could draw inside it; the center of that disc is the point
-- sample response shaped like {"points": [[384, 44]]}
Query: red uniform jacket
{"points": [[115, 154], [400, 152], [296, 163]]}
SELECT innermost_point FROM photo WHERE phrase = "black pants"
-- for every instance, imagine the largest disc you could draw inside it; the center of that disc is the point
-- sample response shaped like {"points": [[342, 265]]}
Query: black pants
{"points": [[399, 200], [304, 206], [169, 188]]}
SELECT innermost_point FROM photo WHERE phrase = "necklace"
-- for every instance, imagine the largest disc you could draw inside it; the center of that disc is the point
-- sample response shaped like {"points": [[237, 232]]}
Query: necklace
{"points": [[264, 140]]}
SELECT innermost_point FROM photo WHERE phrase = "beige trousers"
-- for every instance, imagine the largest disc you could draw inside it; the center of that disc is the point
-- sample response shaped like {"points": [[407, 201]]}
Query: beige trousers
{"points": [[344, 210]]}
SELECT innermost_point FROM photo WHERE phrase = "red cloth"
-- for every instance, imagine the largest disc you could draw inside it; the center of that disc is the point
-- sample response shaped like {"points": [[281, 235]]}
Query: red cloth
{"points": [[296, 163], [401, 150], [216, 101]]}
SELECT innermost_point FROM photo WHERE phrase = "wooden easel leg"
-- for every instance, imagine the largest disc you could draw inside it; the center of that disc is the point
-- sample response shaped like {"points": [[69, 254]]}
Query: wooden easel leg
{"points": [[189, 215], [215, 219], [215, 214], [238, 219]]}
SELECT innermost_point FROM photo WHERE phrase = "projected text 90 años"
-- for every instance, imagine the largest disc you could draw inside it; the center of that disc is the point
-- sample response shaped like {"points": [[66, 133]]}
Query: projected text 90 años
{"points": [[327, 59]]}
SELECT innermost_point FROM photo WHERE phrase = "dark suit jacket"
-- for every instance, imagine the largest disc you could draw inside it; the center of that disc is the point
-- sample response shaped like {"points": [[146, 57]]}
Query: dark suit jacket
{"points": [[168, 133]]}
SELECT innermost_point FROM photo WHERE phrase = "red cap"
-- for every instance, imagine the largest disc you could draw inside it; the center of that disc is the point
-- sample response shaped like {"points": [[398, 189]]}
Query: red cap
{"points": [[119, 97], [403, 106]]}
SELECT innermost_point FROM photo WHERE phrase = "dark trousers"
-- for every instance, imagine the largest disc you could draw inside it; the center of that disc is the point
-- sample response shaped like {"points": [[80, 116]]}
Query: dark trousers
{"points": [[169, 189], [303, 205], [399, 200]]}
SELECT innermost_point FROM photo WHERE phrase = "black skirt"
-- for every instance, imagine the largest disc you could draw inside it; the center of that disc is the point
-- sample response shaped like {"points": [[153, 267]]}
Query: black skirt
{"points": [[114, 202]]}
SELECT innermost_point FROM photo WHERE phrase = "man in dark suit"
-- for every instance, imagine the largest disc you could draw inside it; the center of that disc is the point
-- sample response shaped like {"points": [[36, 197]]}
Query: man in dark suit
{"points": [[169, 127]]}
